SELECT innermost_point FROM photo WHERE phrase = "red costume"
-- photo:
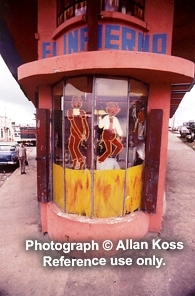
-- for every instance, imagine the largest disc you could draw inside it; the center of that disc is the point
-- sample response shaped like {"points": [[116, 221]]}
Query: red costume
{"points": [[111, 128], [79, 132]]}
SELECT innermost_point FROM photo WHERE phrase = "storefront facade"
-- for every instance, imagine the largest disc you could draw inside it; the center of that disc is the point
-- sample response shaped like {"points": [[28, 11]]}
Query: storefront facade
{"points": [[102, 88]]}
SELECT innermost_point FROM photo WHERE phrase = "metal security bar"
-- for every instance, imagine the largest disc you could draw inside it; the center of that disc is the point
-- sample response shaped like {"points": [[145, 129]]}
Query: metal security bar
{"points": [[67, 9]]}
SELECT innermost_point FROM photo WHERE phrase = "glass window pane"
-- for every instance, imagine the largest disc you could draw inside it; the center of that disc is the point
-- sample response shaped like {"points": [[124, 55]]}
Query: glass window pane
{"points": [[68, 13], [140, 2], [110, 122], [138, 12], [58, 154], [127, 7], [68, 3], [77, 118], [110, 118], [77, 145], [80, 8], [137, 122], [57, 126], [111, 5]]}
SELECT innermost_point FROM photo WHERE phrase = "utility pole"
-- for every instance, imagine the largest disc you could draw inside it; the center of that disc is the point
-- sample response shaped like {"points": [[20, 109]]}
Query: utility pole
{"points": [[5, 127]]}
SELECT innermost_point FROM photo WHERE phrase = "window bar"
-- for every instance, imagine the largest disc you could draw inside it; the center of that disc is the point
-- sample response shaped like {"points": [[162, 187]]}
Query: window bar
{"points": [[102, 5], [127, 146], [92, 145], [52, 146], [120, 6], [63, 141]]}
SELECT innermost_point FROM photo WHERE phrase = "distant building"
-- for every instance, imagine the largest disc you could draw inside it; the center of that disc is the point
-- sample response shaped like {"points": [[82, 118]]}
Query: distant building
{"points": [[28, 135], [25, 134], [17, 136], [6, 129]]}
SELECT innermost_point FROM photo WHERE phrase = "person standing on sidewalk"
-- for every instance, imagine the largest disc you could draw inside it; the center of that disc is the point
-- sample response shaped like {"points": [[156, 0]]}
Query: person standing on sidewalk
{"points": [[22, 157]]}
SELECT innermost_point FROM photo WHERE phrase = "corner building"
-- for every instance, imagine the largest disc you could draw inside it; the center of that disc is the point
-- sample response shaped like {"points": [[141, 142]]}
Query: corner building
{"points": [[102, 86]]}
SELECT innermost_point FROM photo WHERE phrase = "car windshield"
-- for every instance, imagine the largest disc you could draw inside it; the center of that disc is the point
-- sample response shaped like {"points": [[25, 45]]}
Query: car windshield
{"points": [[7, 148]]}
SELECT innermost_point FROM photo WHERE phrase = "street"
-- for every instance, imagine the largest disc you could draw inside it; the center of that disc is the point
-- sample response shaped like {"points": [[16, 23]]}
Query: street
{"points": [[164, 268], [5, 174]]}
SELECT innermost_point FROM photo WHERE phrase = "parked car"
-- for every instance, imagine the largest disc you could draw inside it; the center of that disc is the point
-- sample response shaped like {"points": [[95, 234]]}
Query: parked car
{"points": [[9, 154], [191, 136], [184, 131]]}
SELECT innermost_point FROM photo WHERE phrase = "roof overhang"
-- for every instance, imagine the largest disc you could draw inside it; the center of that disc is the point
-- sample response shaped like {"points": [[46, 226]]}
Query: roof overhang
{"points": [[147, 67], [178, 90]]}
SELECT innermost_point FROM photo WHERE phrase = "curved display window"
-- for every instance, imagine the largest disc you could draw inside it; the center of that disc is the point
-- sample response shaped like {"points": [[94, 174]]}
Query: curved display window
{"points": [[130, 7], [99, 132], [67, 9]]}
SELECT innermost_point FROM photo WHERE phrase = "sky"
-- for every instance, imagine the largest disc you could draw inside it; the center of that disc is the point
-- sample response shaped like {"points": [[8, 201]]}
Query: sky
{"points": [[13, 103], [185, 111]]}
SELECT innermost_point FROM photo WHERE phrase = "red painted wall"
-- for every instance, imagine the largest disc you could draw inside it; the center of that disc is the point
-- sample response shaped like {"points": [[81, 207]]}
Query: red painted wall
{"points": [[46, 21], [158, 20], [45, 97], [159, 16]]}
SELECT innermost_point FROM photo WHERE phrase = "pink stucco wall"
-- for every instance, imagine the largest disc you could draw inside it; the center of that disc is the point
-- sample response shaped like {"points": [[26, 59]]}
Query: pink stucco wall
{"points": [[64, 227], [159, 16]]}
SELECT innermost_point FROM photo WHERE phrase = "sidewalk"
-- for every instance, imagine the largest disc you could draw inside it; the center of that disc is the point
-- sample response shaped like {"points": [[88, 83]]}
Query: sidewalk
{"points": [[22, 273]]}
